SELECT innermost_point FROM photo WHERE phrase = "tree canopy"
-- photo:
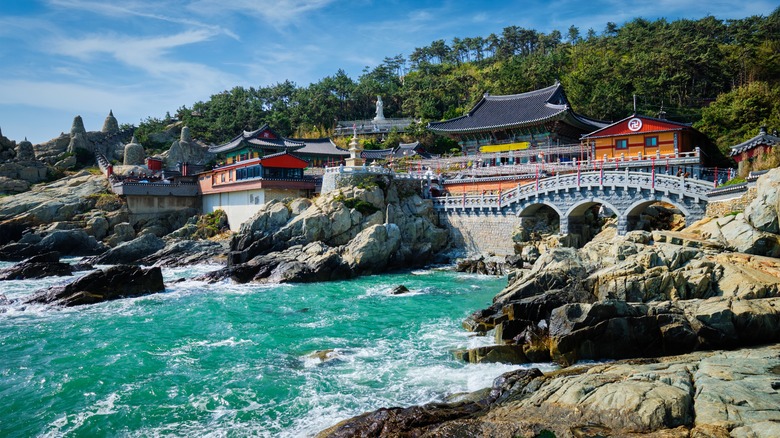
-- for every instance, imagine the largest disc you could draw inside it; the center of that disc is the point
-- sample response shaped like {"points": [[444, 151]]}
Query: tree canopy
{"points": [[721, 75]]}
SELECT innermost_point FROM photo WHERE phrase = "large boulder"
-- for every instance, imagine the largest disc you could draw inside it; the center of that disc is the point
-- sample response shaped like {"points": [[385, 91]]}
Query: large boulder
{"points": [[762, 212], [130, 252], [371, 250], [556, 269], [120, 281], [74, 242], [616, 329], [187, 252]]}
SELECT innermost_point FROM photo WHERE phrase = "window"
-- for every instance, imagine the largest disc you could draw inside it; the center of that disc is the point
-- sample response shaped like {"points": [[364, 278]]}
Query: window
{"points": [[651, 142], [621, 144]]}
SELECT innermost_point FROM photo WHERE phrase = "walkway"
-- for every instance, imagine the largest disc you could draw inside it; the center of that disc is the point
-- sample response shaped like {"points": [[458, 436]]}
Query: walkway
{"points": [[624, 192]]}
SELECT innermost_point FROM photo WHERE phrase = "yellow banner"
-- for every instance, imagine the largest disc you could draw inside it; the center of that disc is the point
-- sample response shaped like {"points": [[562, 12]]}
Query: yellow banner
{"points": [[505, 147]]}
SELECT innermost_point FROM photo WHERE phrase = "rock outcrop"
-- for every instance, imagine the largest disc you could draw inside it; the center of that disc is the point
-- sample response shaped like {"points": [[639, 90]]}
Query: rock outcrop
{"points": [[731, 393], [185, 150], [44, 206], [120, 281], [129, 252], [78, 138], [342, 234]]}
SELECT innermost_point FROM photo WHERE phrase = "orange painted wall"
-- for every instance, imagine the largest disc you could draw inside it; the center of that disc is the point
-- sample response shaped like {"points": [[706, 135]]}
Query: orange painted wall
{"points": [[478, 187], [636, 145]]}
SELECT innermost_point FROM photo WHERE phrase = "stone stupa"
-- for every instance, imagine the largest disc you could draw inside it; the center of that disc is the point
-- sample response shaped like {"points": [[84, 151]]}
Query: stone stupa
{"points": [[25, 151], [134, 154], [110, 125]]}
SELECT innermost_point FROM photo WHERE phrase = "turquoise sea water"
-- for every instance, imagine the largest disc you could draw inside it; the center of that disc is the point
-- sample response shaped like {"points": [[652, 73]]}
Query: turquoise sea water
{"points": [[233, 360]]}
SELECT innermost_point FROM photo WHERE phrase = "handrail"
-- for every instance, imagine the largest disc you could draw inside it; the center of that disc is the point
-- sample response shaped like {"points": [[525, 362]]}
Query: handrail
{"points": [[681, 185]]}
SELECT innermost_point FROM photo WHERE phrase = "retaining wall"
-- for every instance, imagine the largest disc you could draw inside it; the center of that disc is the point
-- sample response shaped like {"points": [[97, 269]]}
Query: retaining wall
{"points": [[480, 233]]}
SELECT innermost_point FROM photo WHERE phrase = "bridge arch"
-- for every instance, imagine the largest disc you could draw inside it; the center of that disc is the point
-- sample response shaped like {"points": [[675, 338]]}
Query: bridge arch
{"points": [[635, 210], [580, 207], [530, 208], [577, 222]]}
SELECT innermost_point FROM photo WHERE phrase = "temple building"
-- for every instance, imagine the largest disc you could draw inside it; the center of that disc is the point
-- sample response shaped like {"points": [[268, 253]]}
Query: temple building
{"points": [[241, 187], [640, 136], [255, 144], [256, 167], [748, 150], [519, 122]]}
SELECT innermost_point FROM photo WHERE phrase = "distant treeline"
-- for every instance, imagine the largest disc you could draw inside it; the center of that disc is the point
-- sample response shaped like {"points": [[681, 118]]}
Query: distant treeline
{"points": [[721, 75]]}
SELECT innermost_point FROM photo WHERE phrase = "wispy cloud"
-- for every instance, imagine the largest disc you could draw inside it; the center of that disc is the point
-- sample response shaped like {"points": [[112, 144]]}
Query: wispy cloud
{"points": [[143, 9], [150, 54], [273, 11]]}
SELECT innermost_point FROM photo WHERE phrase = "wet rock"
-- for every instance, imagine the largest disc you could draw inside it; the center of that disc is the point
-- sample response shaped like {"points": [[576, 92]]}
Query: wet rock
{"points": [[120, 281], [398, 290], [39, 266]]}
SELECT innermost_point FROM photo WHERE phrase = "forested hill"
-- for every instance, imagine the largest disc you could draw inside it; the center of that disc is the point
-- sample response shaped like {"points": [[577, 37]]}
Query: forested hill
{"points": [[721, 75]]}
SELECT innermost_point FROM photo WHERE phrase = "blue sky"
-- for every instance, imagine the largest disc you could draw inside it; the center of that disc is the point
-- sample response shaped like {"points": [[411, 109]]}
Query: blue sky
{"points": [[140, 58]]}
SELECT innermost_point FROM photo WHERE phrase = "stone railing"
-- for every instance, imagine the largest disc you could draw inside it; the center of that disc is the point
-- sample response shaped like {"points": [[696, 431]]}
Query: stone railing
{"points": [[154, 189], [359, 170]]}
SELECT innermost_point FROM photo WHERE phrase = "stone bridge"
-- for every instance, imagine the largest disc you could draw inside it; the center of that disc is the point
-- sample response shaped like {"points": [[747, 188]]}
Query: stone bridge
{"points": [[480, 218]]}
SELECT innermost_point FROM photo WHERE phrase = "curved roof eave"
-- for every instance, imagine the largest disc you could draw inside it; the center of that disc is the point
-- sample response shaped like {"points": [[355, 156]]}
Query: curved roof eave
{"points": [[507, 125]]}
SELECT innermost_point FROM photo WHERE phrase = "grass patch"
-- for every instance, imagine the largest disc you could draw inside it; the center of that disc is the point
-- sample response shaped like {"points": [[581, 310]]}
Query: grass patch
{"points": [[733, 181], [212, 224], [365, 208]]}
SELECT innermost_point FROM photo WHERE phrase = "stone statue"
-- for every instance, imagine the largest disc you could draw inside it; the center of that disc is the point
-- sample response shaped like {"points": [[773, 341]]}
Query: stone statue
{"points": [[380, 115]]}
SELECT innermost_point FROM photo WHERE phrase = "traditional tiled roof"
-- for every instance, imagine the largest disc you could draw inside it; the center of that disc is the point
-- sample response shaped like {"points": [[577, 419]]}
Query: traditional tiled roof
{"points": [[762, 139], [517, 111], [319, 146], [403, 150], [254, 138], [378, 154]]}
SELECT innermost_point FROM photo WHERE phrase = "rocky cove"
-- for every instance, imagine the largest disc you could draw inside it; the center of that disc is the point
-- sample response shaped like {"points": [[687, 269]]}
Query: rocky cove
{"points": [[688, 317]]}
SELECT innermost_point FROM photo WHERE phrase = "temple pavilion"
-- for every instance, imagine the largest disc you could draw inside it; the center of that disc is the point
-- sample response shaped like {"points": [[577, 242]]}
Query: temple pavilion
{"points": [[255, 144], [521, 123]]}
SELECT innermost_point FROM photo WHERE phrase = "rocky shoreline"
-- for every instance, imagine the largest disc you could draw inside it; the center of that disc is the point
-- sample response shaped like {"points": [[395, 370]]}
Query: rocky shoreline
{"points": [[690, 322], [662, 304]]}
